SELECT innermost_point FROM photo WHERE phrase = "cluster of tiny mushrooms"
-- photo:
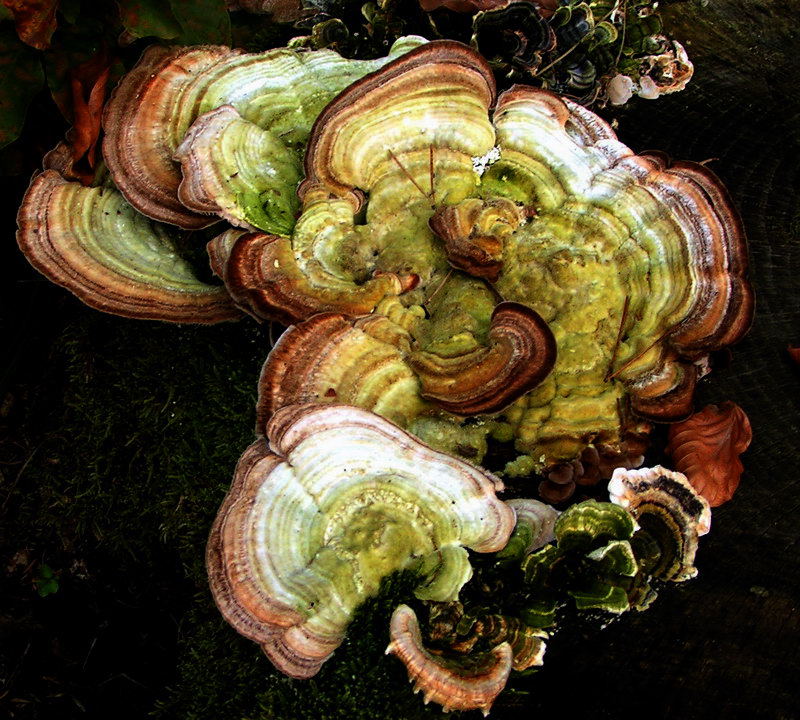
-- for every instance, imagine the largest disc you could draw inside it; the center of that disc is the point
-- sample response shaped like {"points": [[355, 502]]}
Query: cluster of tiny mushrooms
{"points": [[453, 266]]}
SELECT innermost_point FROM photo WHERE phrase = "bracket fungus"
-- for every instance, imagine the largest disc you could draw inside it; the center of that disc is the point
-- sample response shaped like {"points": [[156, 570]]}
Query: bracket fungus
{"points": [[91, 241], [274, 98], [534, 529], [636, 264], [112, 245], [454, 266], [339, 499], [671, 513], [467, 683]]}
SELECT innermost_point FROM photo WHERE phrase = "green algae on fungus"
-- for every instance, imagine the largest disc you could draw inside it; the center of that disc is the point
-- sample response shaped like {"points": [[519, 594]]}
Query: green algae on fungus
{"points": [[314, 521], [637, 265]]}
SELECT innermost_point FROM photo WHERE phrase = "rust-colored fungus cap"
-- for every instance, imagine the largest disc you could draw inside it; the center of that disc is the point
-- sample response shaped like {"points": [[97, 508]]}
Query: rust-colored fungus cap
{"points": [[89, 240], [669, 510], [340, 499], [368, 361], [473, 233], [262, 276], [520, 354], [455, 684], [706, 449]]}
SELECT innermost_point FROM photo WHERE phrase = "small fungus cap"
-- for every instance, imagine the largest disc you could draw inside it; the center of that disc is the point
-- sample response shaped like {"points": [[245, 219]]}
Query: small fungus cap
{"points": [[453, 684], [670, 510]]}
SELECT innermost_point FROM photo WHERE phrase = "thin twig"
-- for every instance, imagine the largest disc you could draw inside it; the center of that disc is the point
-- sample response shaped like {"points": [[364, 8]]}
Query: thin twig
{"points": [[441, 285], [407, 174], [619, 338], [655, 342], [433, 187]]}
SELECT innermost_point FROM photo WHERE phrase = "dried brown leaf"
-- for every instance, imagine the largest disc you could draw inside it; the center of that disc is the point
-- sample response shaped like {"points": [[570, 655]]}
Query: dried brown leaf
{"points": [[35, 20], [76, 159], [706, 448]]}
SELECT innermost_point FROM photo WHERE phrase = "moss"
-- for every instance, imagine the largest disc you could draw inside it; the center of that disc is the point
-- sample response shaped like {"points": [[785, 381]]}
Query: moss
{"points": [[141, 452], [131, 432], [224, 675]]}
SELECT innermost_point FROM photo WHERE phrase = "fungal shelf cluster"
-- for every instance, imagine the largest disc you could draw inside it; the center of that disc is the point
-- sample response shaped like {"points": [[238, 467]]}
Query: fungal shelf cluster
{"points": [[458, 270]]}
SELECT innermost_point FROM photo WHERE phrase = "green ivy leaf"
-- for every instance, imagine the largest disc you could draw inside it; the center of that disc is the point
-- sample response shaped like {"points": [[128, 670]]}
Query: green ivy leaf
{"points": [[23, 77], [149, 18], [46, 581], [202, 21]]}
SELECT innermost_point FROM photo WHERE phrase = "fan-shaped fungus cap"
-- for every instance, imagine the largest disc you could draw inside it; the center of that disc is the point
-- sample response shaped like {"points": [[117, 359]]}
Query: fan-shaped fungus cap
{"points": [[513, 35], [310, 528], [334, 359], [590, 524], [454, 684], [534, 529], [280, 91], [89, 240], [706, 449], [235, 169], [261, 274], [667, 508], [665, 73]]}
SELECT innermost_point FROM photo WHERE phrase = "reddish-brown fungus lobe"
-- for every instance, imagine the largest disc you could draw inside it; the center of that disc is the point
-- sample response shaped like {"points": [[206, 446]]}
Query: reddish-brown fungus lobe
{"points": [[520, 354]]}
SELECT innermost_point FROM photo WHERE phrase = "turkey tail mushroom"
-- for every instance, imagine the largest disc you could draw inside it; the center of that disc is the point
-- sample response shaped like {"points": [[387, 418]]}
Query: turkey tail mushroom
{"points": [[92, 242], [317, 516], [470, 684]]}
